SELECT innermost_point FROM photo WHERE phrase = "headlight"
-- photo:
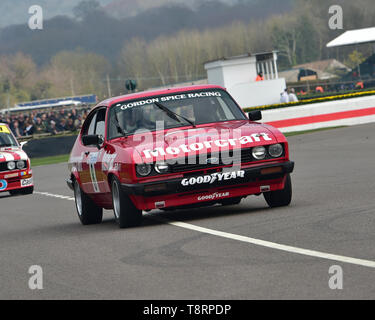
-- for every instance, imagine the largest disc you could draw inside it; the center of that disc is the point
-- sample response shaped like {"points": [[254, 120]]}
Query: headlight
{"points": [[143, 169], [11, 165], [259, 153], [20, 164], [161, 167], [275, 150]]}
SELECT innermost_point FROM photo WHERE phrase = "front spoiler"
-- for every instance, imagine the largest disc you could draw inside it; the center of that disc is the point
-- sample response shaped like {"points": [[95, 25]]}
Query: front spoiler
{"points": [[175, 185]]}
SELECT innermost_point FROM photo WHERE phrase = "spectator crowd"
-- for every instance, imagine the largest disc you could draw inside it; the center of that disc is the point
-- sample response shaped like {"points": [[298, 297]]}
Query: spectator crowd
{"points": [[39, 122]]}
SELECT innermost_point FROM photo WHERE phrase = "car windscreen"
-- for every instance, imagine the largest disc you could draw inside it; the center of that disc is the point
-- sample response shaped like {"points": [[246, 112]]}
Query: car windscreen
{"points": [[172, 111], [6, 138]]}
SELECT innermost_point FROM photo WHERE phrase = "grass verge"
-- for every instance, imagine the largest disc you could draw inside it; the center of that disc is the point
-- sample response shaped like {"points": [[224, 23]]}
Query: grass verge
{"points": [[35, 162], [290, 134]]}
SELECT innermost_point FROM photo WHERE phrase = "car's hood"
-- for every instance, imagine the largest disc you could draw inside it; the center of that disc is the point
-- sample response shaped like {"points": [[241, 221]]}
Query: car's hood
{"points": [[178, 143], [12, 154]]}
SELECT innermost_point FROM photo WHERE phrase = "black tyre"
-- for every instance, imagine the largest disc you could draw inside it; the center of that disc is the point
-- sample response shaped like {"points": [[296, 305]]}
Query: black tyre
{"points": [[126, 214], [280, 198], [22, 192], [88, 212]]}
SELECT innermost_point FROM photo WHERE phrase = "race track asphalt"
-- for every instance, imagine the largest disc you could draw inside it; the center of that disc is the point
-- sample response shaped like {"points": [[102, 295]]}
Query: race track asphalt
{"points": [[333, 211]]}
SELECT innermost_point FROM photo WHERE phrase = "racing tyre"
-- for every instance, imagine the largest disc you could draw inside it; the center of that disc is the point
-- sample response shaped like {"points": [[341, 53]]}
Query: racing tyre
{"points": [[126, 214], [280, 198], [88, 212]]}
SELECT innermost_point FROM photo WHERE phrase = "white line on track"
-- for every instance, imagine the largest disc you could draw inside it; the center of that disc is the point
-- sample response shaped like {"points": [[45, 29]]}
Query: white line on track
{"points": [[47, 194], [258, 242]]}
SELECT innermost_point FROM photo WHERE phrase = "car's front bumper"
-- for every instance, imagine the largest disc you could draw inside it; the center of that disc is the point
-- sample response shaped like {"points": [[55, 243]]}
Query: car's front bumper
{"points": [[252, 175], [15, 180]]}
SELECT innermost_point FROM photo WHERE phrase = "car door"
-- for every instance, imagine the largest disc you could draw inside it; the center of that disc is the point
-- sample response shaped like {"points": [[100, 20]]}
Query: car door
{"points": [[86, 172], [99, 178]]}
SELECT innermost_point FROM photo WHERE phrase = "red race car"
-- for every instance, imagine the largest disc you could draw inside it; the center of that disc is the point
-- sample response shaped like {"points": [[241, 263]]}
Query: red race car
{"points": [[176, 148], [15, 172]]}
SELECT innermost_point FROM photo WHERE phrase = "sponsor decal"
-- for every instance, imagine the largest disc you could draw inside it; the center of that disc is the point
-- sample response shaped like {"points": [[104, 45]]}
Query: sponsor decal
{"points": [[9, 176], [3, 185], [108, 162], [26, 182], [93, 158], [176, 97], [207, 145], [4, 129], [216, 195], [210, 179]]}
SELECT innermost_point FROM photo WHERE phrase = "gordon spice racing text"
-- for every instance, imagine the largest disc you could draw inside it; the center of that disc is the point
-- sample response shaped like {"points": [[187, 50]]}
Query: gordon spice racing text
{"points": [[176, 148]]}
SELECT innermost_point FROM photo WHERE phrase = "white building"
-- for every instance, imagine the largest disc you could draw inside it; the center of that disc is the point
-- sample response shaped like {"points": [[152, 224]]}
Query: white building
{"points": [[238, 75]]}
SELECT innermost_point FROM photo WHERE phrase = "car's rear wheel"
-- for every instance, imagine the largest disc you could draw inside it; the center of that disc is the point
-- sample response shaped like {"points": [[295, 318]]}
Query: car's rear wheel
{"points": [[126, 214], [280, 198], [23, 192], [88, 212]]}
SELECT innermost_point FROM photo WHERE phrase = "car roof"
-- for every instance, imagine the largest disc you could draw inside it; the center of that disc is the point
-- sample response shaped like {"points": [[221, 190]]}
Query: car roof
{"points": [[3, 124], [150, 93]]}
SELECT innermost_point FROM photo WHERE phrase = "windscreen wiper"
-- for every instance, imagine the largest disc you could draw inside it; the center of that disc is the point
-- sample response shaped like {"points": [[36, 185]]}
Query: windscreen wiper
{"points": [[173, 115]]}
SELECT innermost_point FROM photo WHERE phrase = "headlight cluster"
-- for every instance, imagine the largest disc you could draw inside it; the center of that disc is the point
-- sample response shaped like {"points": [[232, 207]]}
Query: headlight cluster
{"points": [[274, 150], [145, 169], [161, 167], [12, 165]]}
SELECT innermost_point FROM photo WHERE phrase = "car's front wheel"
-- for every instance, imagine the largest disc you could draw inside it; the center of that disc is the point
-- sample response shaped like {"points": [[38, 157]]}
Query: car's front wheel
{"points": [[88, 211], [280, 198], [126, 214]]}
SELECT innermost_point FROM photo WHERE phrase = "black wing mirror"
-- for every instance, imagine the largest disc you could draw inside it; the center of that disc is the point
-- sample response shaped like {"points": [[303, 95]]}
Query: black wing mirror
{"points": [[255, 115], [93, 140]]}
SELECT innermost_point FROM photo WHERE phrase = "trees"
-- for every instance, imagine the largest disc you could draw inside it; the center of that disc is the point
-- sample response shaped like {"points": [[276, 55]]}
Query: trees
{"points": [[17, 73], [68, 73], [77, 73], [85, 8]]}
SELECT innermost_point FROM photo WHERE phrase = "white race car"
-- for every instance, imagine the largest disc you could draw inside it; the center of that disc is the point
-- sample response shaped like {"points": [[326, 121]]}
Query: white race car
{"points": [[15, 171]]}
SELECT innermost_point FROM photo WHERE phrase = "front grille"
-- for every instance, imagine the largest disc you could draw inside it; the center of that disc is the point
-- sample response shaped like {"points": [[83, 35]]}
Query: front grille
{"points": [[198, 164], [4, 166], [224, 159]]}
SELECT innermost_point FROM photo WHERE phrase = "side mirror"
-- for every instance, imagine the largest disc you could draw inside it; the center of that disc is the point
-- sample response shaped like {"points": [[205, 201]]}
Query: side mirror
{"points": [[93, 140], [255, 115], [23, 143]]}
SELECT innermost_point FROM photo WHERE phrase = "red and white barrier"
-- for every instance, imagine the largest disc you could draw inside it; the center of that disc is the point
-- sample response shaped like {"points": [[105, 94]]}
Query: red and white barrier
{"points": [[347, 112]]}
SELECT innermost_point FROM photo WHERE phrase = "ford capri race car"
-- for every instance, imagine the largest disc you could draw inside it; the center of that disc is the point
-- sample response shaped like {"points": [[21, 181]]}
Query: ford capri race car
{"points": [[15, 171], [171, 149]]}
